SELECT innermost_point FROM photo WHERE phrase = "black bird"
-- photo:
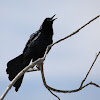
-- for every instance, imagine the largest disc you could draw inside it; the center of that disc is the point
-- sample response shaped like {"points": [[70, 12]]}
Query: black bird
{"points": [[34, 49]]}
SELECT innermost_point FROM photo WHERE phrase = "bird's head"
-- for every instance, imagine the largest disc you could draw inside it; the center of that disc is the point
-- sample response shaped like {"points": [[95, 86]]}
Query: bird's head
{"points": [[47, 24]]}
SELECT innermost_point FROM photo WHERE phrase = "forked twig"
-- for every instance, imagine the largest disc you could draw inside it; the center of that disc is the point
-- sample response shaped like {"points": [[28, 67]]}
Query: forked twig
{"points": [[70, 91], [89, 69]]}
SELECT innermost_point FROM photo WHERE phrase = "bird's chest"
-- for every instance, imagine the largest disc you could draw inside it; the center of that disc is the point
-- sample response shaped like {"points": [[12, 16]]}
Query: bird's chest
{"points": [[38, 47], [41, 45]]}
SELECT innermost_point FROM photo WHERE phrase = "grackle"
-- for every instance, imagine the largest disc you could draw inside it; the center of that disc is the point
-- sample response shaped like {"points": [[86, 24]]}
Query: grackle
{"points": [[34, 49]]}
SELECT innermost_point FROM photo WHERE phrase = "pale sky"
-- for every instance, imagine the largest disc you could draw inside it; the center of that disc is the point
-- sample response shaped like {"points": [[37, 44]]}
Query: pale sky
{"points": [[68, 62]]}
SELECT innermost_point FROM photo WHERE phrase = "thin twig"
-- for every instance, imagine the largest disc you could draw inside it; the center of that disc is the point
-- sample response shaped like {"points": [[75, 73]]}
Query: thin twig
{"points": [[76, 31], [90, 69], [53, 94], [91, 83], [70, 91]]}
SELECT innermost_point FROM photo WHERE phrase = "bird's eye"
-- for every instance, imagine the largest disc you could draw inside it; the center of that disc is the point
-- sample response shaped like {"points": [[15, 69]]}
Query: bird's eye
{"points": [[48, 19]]}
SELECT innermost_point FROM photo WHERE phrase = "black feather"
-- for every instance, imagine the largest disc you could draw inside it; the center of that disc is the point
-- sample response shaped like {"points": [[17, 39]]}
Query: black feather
{"points": [[34, 49]]}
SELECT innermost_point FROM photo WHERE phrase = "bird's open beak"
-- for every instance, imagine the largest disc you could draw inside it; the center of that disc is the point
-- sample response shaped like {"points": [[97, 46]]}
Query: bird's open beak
{"points": [[53, 17]]}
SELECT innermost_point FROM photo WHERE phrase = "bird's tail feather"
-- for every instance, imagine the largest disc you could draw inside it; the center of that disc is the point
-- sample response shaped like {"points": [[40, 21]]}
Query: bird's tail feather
{"points": [[14, 66]]}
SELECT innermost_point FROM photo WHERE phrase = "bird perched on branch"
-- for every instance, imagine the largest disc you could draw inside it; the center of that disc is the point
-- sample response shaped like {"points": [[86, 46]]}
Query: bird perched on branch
{"points": [[34, 49]]}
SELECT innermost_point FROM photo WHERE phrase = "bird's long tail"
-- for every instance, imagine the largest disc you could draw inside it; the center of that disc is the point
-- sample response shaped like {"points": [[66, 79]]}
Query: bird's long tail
{"points": [[13, 68]]}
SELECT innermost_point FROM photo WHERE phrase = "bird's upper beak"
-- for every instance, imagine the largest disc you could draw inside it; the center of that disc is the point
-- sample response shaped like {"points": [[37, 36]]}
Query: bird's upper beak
{"points": [[53, 17]]}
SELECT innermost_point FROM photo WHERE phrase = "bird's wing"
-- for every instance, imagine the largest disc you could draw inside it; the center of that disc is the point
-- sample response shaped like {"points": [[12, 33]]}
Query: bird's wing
{"points": [[32, 38]]}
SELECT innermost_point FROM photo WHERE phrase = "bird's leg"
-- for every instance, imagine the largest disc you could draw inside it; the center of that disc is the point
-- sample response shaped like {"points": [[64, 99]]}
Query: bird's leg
{"points": [[33, 69], [39, 65]]}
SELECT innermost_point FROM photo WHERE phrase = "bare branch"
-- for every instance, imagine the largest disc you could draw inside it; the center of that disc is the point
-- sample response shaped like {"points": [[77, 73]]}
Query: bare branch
{"points": [[53, 94], [91, 83], [90, 69], [70, 91], [40, 60], [76, 31]]}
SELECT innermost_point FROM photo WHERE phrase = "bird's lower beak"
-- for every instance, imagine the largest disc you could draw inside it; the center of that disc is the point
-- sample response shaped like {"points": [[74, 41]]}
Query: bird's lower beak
{"points": [[53, 17]]}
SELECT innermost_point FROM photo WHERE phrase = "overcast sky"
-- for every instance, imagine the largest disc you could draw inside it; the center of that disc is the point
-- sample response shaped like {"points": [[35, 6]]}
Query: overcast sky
{"points": [[68, 62]]}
